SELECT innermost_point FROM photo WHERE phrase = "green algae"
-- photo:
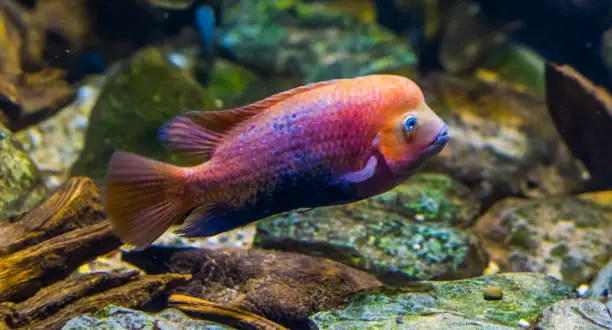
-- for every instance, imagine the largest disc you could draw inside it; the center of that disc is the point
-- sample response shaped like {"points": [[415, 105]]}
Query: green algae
{"points": [[142, 95], [525, 296], [430, 198], [396, 236], [21, 185], [564, 236], [309, 40]]}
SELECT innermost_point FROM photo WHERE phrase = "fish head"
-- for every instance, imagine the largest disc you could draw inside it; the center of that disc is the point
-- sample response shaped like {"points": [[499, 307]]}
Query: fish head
{"points": [[410, 137]]}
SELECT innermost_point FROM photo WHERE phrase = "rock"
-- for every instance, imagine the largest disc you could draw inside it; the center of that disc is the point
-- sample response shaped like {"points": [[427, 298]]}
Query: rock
{"points": [[131, 108], [566, 237], [517, 66], [21, 185], [228, 81], [472, 43], [277, 38], [53, 306], [115, 317], [402, 235], [56, 143], [429, 198], [503, 142], [468, 37], [454, 304], [435, 320], [575, 314], [601, 287], [283, 287]]}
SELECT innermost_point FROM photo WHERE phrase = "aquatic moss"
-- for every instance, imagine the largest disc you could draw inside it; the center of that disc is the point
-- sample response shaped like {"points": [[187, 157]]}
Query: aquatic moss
{"points": [[21, 185], [525, 295]]}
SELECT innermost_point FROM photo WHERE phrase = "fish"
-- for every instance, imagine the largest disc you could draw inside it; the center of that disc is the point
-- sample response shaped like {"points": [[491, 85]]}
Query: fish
{"points": [[321, 144]]}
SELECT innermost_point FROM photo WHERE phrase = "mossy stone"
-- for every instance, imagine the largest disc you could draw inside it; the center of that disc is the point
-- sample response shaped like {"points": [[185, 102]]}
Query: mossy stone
{"points": [[399, 236], [291, 37], [120, 318], [143, 94], [525, 296], [564, 236], [21, 185]]}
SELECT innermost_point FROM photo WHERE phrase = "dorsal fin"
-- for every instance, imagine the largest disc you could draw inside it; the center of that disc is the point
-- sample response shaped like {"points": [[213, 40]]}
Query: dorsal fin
{"points": [[197, 133]]}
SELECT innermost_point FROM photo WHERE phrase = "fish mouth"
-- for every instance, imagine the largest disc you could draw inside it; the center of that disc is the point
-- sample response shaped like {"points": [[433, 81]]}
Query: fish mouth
{"points": [[439, 142]]}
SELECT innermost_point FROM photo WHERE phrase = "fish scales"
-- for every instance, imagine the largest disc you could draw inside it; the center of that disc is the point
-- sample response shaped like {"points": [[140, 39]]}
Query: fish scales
{"points": [[320, 144]]}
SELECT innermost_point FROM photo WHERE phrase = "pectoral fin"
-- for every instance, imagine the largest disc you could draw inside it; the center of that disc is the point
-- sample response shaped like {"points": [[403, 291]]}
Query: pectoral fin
{"points": [[364, 174]]}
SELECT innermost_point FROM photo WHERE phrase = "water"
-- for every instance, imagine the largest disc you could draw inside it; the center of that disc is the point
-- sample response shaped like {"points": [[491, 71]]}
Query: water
{"points": [[517, 202]]}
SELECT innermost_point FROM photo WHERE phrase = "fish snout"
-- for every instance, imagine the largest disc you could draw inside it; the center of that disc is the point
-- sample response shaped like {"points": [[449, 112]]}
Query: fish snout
{"points": [[442, 136]]}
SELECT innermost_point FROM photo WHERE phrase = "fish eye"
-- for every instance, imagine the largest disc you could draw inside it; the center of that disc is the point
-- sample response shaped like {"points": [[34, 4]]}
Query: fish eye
{"points": [[410, 123]]}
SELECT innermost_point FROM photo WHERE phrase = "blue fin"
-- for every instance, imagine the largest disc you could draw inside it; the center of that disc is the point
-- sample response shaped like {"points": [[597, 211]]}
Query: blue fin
{"points": [[207, 220]]}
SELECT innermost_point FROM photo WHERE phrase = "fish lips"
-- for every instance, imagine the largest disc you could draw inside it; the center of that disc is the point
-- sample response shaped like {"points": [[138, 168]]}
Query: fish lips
{"points": [[439, 143]]}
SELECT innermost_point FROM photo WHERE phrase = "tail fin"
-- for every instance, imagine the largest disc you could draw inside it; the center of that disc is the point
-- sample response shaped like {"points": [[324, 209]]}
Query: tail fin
{"points": [[142, 197]]}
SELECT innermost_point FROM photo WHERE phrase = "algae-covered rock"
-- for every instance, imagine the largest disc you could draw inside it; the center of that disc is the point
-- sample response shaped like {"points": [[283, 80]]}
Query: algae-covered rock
{"points": [[138, 98], [525, 296], [228, 81], [430, 198], [567, 237], [503, 141], [142, 95], [56, 143], [518, 65], [309, 40], [401, 235], [601, 287], [575, 314], [21, 186], [225, 80], [119, 318]]}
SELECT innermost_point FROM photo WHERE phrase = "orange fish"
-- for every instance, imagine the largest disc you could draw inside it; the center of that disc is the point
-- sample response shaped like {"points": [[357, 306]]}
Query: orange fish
{"points": [[325, 143]]}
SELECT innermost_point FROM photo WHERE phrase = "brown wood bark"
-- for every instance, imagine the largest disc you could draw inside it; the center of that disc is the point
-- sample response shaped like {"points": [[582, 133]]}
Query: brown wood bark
{"points": [[42, 248]]}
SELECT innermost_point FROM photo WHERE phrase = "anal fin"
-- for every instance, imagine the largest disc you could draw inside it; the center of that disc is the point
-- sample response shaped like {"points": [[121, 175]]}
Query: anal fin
{"points": [[208, 220]]}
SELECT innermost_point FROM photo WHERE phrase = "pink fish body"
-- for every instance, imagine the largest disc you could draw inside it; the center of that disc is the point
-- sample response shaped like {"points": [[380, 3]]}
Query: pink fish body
{"points": [[325, 143]]}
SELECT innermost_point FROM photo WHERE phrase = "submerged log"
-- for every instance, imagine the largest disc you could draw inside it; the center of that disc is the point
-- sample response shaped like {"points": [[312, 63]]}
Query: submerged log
{"points": [[221, 313], [48, 243], [134, 294], [41, 249], [26, 271], [75, 205]]}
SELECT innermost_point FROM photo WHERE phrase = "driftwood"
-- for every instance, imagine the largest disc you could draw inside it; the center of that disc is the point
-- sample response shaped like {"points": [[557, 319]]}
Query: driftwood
{"points": [[225, 314], [41, 249], [582, 113]]}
